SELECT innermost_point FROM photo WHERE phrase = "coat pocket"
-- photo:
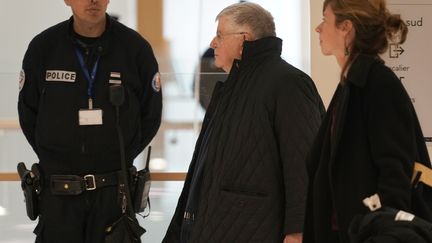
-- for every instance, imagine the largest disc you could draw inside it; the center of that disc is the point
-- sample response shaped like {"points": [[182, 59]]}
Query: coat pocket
{"points": [[243, 191], [242, 211], [242, 197]]}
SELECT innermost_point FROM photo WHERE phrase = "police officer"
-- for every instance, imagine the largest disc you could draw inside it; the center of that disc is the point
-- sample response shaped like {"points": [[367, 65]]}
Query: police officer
{"points": [[67, 117]]}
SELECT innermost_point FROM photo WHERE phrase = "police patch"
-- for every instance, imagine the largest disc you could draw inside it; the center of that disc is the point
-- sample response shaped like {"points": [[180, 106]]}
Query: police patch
{"points": [[60, 76], [156, 82], [21, 79]]}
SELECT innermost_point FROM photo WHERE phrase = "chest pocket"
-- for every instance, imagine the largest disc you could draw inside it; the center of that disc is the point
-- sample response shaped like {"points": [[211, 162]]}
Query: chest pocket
{"points": [[58, 114]]}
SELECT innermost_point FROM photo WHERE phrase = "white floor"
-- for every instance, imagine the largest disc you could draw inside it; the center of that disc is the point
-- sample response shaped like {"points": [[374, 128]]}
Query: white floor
{"points": [[15, 227]]}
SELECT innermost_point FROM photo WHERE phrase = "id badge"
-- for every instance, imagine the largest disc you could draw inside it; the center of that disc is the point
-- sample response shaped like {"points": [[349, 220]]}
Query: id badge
{"points": [[90, 117]]}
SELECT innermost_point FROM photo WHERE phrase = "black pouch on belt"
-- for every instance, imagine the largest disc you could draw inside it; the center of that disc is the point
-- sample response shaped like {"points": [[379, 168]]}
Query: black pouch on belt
{"points": [[66, 184], [31, 186], [142, 187], [142, 190]]}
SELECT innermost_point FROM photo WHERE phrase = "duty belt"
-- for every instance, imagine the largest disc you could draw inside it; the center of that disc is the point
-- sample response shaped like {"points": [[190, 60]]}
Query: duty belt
{"points": [[75, 184]]}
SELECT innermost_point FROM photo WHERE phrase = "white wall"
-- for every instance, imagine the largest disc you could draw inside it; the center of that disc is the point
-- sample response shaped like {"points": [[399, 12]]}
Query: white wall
{"points": [[324, 70]]}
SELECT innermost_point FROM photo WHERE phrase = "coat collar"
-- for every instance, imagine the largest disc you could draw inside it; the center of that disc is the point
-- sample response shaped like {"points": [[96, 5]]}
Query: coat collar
{"points": [[261, 47], [360, 68], [254, 51]]}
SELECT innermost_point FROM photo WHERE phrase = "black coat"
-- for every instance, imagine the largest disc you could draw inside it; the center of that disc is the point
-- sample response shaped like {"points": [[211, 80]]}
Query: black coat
{"points": [[367, 144], [254, 181]]}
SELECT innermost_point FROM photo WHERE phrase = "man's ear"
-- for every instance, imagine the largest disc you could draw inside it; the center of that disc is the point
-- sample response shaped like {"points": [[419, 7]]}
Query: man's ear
{"points": [[67, 2], [247, 37]]}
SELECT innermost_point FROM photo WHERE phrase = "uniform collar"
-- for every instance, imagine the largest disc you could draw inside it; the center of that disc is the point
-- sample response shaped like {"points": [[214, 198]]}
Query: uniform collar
{"points": [[102, 43], [360, 68]]}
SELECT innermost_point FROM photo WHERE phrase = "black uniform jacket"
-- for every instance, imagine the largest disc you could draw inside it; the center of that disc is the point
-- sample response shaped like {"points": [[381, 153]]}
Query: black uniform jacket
{"points": [[254, 179], [55, 89], [367, 144]]}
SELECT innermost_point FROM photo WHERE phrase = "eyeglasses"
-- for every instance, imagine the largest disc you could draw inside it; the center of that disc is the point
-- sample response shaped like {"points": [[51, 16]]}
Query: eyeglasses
{"points": [[221, 36]]}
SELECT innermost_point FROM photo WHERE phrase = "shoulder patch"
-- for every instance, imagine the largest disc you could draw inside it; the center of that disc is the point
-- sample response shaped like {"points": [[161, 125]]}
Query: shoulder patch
{"points": [[21, 79], [156, 82]]}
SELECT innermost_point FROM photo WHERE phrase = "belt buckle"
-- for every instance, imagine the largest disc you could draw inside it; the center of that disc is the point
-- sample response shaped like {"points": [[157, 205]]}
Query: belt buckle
{"points": [[93, 182]]}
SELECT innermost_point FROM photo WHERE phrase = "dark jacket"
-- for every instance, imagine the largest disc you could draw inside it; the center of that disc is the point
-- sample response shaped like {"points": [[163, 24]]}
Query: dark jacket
{"points": [[367, 144], [254, 181], [48, 110]]}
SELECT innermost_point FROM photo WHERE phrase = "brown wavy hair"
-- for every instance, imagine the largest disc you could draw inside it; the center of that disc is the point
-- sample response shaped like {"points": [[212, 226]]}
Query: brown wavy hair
{"points": [[374, 26]]}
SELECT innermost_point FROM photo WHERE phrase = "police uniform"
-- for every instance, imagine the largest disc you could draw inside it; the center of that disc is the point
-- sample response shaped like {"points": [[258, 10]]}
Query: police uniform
{"points": [[61, 73]]}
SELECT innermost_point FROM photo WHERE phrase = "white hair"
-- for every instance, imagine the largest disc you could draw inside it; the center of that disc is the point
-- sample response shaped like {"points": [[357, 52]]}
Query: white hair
{"points": [[252, 15]]}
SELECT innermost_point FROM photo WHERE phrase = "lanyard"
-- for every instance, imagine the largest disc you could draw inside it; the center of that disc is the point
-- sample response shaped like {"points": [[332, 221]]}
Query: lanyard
{"points": [[90, 76]]}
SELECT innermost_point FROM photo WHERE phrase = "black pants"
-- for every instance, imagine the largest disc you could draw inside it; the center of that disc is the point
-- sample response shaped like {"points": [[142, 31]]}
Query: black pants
{"points": [[77, 219]]}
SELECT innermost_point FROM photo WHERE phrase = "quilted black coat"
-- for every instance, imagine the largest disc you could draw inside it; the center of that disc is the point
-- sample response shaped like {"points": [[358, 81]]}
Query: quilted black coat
{"points": [[254, 182]]}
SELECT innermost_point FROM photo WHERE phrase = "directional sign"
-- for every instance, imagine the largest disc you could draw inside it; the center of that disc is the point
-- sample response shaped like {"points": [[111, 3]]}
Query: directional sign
{"points": [[395, 50], [411, 61]]}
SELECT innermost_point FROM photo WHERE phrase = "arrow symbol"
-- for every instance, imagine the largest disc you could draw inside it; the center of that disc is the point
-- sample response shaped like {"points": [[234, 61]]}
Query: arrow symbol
{"points": [[395, 50], [400, 50]]}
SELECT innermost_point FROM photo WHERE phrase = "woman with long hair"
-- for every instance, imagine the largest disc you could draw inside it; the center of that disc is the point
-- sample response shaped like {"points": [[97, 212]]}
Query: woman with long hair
{"points": [[369, 140]]}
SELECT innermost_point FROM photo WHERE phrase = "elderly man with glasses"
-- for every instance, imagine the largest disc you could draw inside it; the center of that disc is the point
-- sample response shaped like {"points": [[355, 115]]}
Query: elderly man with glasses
{"points": [[247, 179]]}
